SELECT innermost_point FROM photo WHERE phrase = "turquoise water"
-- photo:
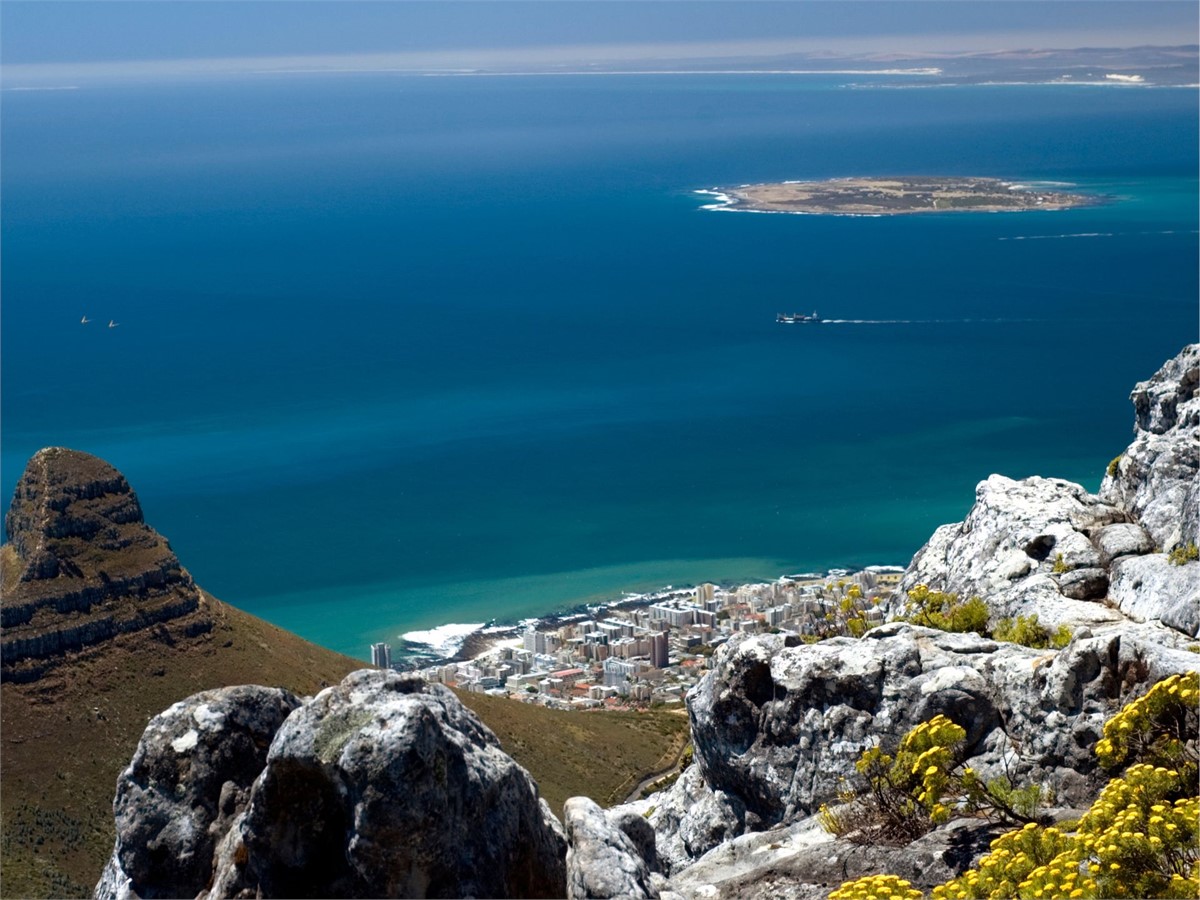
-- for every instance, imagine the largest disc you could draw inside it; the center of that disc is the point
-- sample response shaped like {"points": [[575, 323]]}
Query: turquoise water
{"points": [[401, 351]]}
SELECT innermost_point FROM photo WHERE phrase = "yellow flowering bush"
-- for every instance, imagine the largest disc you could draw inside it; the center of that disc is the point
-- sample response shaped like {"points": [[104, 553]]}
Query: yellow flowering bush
{"points": [[876, 887], [1158, 728], [1140, 837], [922, 786]]}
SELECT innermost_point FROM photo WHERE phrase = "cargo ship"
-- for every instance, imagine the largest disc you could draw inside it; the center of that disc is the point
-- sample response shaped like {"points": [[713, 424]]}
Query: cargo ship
{"points": [[797, 318]]}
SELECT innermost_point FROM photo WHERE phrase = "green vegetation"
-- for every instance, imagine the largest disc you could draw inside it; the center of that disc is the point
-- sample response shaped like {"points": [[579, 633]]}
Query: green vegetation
{"points": [[1183, 554], [936, 609], [1138, 839], [1029, 632], [1060, 564], [600, 754], [920, 787], [1114, 465]]}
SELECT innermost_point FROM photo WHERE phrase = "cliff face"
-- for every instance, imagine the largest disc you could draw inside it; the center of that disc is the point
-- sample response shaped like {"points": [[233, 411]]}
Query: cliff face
{"points": [[81, 567]]}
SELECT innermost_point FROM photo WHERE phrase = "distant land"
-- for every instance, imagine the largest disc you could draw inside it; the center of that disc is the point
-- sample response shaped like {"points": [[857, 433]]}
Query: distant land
{"points": [[895, 195]]}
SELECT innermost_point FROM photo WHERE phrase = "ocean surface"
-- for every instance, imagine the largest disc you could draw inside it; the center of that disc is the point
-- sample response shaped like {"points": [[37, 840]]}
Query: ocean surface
{"points": [[397, 351]]}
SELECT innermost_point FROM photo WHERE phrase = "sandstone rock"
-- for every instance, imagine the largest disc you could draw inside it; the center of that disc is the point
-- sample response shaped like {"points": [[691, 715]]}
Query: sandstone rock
{"points": [[690, 818], [379, 786], [1083, 584], [777, 729], [1156, 478], [89, 568], [603, 861], [803, 862], [193, 763]]}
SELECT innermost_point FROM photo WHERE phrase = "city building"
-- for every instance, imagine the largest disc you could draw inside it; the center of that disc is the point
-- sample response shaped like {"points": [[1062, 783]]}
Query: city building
{"points": [[381, 656]]}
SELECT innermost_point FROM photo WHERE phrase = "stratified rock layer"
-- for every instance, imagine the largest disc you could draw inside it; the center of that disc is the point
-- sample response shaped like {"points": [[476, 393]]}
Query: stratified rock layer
{"points": [[81, 567], [382, 786]]}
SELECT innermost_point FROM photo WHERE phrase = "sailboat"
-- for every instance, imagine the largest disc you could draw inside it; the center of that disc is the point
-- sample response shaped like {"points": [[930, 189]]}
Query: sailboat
{"points": [[84, 320], [112, 324]]}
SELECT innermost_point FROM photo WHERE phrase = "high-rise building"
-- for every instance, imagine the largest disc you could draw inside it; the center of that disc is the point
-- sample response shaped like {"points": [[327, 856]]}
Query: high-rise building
{"points": [[381, 656], [659, 650]]}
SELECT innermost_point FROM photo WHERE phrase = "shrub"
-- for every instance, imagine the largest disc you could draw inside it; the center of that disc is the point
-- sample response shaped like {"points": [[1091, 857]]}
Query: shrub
{"points": [[1139, 839], [922, 786], [1158, 728], [1183, 554], [1135, 841], [1114, 465], [1029, 632], [946, 612], [876, 887]]}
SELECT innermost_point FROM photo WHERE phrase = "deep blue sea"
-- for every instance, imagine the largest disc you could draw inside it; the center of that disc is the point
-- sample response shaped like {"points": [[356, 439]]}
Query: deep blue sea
{"points": [[397, 351]]}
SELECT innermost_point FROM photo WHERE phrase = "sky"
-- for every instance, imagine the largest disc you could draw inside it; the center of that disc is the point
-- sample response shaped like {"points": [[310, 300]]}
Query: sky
{"points": [[53, 39]]}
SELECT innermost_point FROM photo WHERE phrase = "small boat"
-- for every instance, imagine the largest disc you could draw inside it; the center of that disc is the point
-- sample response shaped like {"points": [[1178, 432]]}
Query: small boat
{"points": [[797, 318], [84, 320], [112, 324]]}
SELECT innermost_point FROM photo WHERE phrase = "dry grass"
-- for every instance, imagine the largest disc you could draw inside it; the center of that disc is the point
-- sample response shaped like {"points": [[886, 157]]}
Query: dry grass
{"points": [[598, 754]]}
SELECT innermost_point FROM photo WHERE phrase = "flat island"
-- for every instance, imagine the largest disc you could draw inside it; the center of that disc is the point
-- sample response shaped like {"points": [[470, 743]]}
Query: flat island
{"points": [[886, 196]]}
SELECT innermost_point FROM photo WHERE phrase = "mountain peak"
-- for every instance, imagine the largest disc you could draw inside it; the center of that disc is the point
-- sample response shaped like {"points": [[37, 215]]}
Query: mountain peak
{"points": [[81, 566]]}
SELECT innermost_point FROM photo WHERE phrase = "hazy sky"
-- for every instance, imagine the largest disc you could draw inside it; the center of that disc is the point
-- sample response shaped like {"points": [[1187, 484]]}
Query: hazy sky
{"points": [[61, 38]]}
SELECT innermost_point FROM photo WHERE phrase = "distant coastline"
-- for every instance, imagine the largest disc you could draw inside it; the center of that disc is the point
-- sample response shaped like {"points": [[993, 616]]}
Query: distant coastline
{"points": [[897, 195]]}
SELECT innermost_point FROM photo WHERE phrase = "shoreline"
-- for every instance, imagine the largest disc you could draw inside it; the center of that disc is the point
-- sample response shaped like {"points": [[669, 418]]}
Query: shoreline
{"points": [[470, 641]]}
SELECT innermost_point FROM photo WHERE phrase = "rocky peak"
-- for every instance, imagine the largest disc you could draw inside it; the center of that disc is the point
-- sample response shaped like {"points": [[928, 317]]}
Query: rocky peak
{"points": [[81, 566]]}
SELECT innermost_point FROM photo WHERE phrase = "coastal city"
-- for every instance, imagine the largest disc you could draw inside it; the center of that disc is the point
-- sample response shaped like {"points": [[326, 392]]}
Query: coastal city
{"points": [[650, 649]]}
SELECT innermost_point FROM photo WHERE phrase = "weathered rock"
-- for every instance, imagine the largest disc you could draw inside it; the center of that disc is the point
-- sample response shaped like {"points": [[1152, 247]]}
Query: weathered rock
{"points": [[804, 863], [386, 786], [1014, 549], [603, 861], [777, 729], [1122, 539], [1157, 479], [1083, 584], [379, 786], [1147, 588], [87, 568], [194, 762], [690, 818]]}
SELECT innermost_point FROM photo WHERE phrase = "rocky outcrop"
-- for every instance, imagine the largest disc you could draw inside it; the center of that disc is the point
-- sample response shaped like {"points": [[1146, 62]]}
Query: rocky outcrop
{"points": [[1046, 546], [1157, 479], [81, 567], [380, 786], [777, 728]]}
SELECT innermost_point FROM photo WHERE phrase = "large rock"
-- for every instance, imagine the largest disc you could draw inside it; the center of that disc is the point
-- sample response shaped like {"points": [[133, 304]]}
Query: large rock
{"points": [[1157, 479], [192, 765], [381, 786]]}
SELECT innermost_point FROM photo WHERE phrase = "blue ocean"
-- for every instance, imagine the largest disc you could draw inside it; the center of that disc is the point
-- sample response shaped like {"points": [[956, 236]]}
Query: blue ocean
{"points": [[396, 351]]}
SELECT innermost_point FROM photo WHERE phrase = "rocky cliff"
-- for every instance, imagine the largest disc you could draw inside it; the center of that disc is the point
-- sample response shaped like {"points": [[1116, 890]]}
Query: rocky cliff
{"points": [[81, 567]]}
